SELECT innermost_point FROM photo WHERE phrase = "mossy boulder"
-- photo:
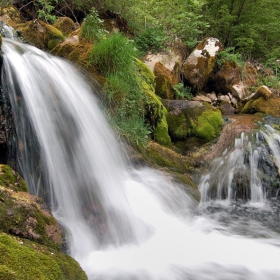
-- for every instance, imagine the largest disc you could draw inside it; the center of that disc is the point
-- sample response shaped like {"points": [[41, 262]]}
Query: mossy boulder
{"points": [[262, 102], [65, 25], [25, 215], [40, 34], [163, 79], [155, 112], [24, 260], [10, 15], [193, 119]]}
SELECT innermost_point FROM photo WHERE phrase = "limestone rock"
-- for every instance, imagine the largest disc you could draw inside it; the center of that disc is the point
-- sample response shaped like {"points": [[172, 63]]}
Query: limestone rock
{"points": [[199, 65]]}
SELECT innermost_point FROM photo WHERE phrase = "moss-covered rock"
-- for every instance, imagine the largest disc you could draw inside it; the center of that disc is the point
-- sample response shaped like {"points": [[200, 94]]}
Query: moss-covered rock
{"points": [[192, 118], [41, 34], [163, 79], [199, 65], [25, 215], [262, 105], [23, 260], [78, 51], [155, 112], [65, 25], [10, 15]]}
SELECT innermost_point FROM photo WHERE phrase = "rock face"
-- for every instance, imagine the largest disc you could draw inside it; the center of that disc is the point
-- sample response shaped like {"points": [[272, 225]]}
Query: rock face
{"points": [[199, 65]]}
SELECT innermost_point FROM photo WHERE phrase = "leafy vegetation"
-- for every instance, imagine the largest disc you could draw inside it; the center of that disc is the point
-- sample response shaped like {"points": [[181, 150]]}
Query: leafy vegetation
{"points": [[92, 26], [182, 92]]}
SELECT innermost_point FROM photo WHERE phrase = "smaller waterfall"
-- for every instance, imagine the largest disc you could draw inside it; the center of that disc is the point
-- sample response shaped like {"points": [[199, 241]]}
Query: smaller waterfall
{"points": [[242, 170]]}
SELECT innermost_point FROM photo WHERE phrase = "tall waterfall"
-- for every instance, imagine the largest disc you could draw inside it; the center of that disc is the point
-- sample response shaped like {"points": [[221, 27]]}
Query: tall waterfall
{"points": [[124, 223]]}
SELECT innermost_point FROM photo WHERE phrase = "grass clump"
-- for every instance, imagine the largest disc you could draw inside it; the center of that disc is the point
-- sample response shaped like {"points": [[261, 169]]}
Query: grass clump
{"points": [[124, 96]]}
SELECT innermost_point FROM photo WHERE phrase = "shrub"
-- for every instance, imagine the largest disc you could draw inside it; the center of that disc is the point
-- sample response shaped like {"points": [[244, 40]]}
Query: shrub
{"points": [[151, 39], [92, 26]]}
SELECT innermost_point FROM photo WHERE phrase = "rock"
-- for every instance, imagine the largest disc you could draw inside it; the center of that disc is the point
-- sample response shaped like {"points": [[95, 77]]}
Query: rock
{"points": [[202, 98], [199, 65], [212, 96], [178, 167], [64, 24], [41, 34], [226, 108], [28, 260], [263, 103], [263, 92], [23, 214], [192, 119], [155, 112], [234, 79], [224, 98], [163, 79]]}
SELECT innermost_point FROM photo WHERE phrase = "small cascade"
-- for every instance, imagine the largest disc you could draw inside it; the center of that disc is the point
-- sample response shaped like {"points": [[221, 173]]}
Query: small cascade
{"points": [[247, 171]]}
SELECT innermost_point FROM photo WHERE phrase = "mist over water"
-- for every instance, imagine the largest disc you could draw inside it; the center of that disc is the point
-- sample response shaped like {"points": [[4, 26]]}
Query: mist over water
{"points": [[124, 223]]}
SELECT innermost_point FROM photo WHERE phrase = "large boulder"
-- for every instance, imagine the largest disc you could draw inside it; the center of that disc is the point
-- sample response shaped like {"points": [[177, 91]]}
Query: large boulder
{"points": [[192, 119], [199, 65]]}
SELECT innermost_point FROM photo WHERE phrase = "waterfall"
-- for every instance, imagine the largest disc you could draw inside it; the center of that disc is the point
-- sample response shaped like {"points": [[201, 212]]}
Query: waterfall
{"points": [[124, 223]]}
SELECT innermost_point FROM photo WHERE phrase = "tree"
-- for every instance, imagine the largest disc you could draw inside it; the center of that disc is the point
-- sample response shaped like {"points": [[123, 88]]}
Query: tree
{"points": [[251, 26]]}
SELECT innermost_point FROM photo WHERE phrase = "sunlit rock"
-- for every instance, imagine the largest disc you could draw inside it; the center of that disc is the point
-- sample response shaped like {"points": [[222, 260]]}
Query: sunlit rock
{"points": [[199, 65]]}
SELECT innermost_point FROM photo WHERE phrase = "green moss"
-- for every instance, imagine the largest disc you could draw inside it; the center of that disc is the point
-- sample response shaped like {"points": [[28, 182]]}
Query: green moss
{"points": [[179, 128], [155, 112], [22, 215], [10, 178], [203, 122], [25, 261], [161, 131], [209, 125]]}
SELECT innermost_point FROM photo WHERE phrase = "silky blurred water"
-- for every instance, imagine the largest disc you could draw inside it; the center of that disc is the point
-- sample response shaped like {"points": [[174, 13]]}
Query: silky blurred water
{"points": [[124, 223]]}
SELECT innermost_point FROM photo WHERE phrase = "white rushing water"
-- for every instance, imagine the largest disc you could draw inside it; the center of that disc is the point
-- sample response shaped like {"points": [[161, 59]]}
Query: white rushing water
{"points": [[124, 223]]}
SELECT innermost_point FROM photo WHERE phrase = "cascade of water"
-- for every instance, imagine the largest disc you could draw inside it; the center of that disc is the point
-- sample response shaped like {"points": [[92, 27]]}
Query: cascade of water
{"points": [[148, 223], [232, 173]]}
